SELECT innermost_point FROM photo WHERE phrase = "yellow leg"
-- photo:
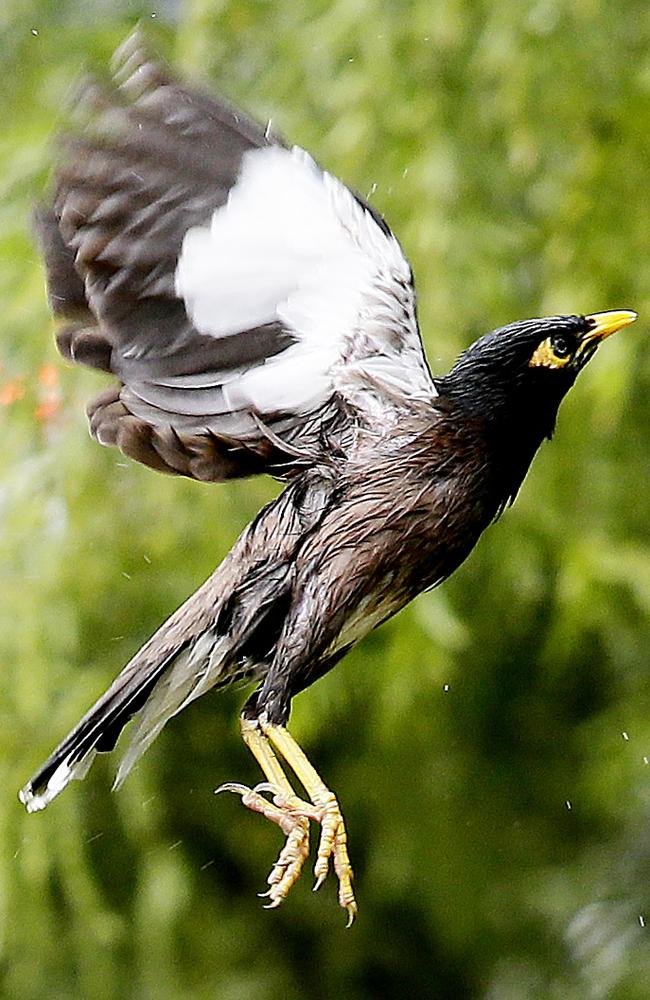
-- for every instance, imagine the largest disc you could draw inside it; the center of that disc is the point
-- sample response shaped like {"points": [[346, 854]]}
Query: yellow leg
{"points": [[333, 840], [292, 814]]}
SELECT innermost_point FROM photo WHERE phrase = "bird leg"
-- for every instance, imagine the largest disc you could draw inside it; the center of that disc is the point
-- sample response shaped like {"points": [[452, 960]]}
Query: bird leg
{"points": [[292, 814], [285, 809], [333, 839]]}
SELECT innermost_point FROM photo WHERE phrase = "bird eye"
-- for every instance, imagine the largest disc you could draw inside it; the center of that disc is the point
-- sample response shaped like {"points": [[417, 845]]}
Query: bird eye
{"points": [[562, 346], [554, 352]]}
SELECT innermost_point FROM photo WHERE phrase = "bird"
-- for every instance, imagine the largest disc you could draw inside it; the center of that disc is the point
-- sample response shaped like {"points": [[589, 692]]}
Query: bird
{"points": [[259, 316]]}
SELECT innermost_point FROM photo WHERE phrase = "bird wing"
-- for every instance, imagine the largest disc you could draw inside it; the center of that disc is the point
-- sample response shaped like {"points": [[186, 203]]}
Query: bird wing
{"points": [[250, 304]]}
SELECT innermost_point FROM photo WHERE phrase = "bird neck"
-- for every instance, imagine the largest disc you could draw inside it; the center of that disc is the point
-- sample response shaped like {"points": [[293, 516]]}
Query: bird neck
{"points": [[507, 431]]}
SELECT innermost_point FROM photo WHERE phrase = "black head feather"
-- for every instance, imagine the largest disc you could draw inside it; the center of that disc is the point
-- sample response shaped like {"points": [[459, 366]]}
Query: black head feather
{"points": [[511, 383], [499, 378]]}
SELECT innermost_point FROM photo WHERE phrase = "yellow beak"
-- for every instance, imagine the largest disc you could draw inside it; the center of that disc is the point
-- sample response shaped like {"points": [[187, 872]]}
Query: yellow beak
{"points": [[606, 323]]}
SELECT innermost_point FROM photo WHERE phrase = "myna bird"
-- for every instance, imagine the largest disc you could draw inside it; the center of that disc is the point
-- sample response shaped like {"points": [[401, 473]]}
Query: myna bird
{"points": [[259, 316]]}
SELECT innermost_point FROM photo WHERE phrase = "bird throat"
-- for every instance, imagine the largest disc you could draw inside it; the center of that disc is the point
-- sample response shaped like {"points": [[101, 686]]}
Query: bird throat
{"points": [[506, 435]]}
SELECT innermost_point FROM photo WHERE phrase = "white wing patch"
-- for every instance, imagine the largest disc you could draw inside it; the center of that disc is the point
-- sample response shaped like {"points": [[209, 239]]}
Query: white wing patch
{"points": [[293, 245]]}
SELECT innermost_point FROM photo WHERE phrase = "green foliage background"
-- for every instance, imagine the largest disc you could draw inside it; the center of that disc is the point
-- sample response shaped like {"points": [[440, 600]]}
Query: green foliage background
{"points": [[490, 746]]}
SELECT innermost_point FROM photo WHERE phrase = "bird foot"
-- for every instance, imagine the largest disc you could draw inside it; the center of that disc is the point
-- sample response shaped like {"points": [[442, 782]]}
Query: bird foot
{"points": [[334, 844], [292, 814]]}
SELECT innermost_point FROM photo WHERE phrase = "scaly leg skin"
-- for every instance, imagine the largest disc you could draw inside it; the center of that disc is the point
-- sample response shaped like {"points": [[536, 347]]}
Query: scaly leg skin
{"points": [[285, 809], [292, 814], [333, 839]]}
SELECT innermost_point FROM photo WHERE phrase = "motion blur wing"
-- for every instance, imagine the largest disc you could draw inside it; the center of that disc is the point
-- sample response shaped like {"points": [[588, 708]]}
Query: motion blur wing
{"points": [[253, 308]]}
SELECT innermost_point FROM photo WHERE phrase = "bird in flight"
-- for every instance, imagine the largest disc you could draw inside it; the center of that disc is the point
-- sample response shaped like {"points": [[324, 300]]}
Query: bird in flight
{"points": [[259, 316]]}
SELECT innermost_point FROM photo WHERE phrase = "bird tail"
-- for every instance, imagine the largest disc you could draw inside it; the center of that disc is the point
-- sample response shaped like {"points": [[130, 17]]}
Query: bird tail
{"points": [[197, 649], [98, 731], [221, 635]]}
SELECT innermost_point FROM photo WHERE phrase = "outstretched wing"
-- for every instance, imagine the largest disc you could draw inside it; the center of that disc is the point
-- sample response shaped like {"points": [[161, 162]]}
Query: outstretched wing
{"points": [[252, 307]]}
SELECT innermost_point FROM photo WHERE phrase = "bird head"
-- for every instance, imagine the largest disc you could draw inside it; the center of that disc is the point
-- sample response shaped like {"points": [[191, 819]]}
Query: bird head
{"points": [[513, 380], [521, 372]]}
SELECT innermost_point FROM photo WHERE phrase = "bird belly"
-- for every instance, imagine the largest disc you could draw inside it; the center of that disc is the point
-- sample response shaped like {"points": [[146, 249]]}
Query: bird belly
{"points": [[365, 616]]}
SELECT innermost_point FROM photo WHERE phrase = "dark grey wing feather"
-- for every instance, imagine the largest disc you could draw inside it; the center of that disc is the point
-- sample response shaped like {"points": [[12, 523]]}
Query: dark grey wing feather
{"points": [[251, 306], [153, 159]]}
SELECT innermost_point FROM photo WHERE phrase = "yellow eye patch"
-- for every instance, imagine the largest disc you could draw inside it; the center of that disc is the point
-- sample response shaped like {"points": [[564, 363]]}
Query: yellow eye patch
{"points": [[545, 356]]}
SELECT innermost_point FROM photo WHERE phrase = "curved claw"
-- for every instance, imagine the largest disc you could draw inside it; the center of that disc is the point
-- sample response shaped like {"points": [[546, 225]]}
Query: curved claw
{"points": [[266, 786], [232, 786]]}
